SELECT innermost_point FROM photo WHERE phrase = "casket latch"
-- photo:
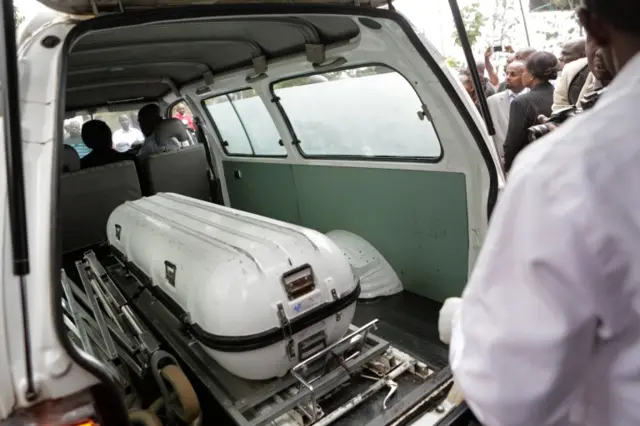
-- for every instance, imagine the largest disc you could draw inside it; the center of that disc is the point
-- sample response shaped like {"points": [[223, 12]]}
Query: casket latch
{"points": [[334, 295], [170, 272], [285, 325]]}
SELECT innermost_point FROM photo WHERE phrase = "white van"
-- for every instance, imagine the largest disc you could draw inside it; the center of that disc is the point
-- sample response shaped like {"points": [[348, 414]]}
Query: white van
{"points": [[327, 114]]}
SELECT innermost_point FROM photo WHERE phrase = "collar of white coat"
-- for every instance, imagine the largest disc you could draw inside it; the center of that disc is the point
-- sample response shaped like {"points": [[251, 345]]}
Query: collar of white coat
{"points": [[628, 77]]}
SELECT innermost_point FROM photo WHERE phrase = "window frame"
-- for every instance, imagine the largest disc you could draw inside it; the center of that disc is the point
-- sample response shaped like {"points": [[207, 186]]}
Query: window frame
{"points": [[167, 112], [222, 140], [378, 158]]}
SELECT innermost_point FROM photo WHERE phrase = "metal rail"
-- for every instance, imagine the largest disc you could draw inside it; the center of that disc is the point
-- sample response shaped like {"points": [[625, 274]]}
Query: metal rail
{"points": [[358, 336]]}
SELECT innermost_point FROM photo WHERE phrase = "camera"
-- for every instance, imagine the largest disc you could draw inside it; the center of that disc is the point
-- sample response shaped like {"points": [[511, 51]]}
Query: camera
{"points": [[559, 117]]}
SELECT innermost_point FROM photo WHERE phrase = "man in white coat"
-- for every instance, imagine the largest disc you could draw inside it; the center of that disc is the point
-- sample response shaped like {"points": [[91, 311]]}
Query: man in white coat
{"points": [[547, 332], [500, 103]]}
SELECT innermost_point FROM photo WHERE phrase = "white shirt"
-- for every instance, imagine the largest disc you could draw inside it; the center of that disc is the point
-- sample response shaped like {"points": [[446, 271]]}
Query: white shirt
{"points": [[122, 140], [549, 329], [512, 95]]}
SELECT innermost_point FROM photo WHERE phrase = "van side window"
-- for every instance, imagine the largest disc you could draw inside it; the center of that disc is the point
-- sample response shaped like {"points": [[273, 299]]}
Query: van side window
{"points": [[244, 124], [367, 112]]}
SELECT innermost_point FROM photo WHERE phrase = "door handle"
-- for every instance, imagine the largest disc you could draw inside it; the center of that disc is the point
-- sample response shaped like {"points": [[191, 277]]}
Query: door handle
{"points": [[237, 174]]}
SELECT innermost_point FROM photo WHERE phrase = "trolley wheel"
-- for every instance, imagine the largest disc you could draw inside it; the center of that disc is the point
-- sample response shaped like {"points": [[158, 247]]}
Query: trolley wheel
{"points": [[187, 407], [144, 418]]}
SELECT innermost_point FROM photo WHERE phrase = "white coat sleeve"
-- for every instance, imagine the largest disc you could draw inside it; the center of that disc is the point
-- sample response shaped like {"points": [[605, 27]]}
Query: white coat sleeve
{"points": [[526, 327], [561, 93]]}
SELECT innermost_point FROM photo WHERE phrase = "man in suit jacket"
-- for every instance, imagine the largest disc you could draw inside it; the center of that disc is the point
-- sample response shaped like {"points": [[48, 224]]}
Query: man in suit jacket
{"points": [[500, 103], [569, 85]]}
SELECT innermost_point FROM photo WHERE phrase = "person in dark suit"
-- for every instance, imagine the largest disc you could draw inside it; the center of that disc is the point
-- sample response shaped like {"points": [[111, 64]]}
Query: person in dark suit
{"points": [[525, 109]]}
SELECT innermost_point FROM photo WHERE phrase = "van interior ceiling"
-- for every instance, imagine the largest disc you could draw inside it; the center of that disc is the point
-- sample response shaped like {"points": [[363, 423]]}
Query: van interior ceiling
{"points": [[425, 242]]}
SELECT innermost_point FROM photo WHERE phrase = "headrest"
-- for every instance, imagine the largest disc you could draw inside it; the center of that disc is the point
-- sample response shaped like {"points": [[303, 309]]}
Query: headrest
{"points": [[70, 160], [171, 129]]}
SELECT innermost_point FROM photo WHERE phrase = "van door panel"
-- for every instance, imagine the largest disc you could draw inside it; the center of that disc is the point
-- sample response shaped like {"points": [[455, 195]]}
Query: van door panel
{"points": [[264, 189], [416, 219]]}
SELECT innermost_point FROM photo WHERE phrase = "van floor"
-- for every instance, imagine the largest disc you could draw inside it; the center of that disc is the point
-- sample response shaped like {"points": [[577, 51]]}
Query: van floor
{"points": [[409, 322]]}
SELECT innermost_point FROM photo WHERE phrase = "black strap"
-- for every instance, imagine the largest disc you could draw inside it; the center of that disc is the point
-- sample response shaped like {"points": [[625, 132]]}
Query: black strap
{"points": [[577, 83], [215, 189]]}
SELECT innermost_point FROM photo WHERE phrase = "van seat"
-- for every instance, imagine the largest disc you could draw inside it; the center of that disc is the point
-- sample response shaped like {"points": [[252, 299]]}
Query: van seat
{"points": [[182, 172], [70, 160], [172, 130], [89, 196]]}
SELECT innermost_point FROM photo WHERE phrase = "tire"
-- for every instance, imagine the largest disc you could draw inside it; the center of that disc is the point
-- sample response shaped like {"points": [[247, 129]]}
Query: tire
{"points": [[189, 409]]}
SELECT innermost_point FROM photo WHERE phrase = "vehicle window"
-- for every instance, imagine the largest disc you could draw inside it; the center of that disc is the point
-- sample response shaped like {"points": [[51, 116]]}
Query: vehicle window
{"points": [[72, 134], [245, 124], [365, 112], [182, 112], [124, 127]]}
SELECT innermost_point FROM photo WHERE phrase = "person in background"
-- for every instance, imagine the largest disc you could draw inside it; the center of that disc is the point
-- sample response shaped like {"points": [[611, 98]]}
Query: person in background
{"points": [[149, 117], [467, 82], [74, 129], [487, 87], [572, 51], [491, 71], [548, 328], [127, 136], [182, 116], [500, 103], [524, 54], [503, 85], [583, 77], [469, 87], [97, 136], [525, 109], [575, 70], [569, 84], [600, 73]]}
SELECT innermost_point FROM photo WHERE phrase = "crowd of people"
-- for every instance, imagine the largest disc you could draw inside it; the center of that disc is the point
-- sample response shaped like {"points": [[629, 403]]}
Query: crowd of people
{"points": [[547, 331], [537, 84], [96, 145]]}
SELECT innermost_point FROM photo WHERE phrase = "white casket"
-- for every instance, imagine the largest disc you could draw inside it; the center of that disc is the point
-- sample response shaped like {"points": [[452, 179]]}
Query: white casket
{"points": [[261, 295]]}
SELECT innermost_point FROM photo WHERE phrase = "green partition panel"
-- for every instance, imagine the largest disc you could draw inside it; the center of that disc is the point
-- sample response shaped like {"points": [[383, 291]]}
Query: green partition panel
{"points": [[264, 189], [416, 219]]}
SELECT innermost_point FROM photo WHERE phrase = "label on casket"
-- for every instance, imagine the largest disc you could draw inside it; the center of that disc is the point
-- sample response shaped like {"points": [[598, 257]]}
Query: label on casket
{"points": [[307, 302]]}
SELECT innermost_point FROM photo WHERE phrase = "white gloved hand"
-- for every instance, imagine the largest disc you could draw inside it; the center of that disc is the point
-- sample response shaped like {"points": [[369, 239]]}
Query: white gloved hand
{"points": [[445, 320], [455, 396]]}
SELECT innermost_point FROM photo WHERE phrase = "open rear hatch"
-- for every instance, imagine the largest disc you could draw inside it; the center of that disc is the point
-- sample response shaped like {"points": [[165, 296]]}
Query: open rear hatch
{"points": [[95, 7]]}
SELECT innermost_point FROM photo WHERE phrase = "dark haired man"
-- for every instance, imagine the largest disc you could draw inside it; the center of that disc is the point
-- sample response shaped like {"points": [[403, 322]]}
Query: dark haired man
{"points": [[149, 117], [97, 136], [548, 329]]}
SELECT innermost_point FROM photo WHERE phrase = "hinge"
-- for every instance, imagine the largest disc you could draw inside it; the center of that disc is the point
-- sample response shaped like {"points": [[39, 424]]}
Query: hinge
{"points": [[259, 69], [285, 325], [334, 295], [424, 114]]}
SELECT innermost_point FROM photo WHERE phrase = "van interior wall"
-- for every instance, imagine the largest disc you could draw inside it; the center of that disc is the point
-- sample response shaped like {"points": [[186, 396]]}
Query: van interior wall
{"points": [[416, 219]]}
